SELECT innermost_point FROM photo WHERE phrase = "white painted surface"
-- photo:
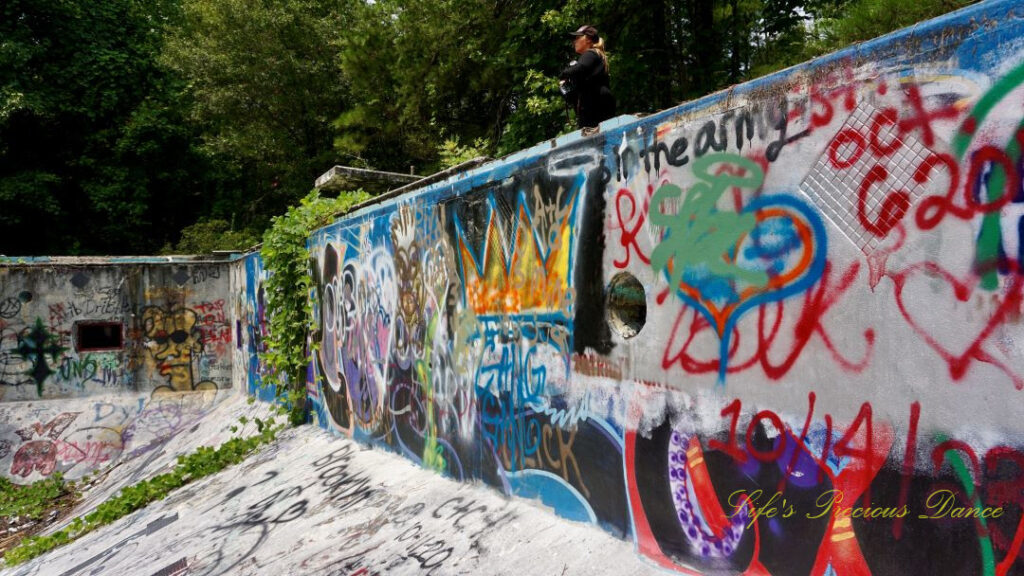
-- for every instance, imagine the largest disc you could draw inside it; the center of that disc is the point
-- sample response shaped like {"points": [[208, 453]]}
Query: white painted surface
{"points": [[313, 504]]}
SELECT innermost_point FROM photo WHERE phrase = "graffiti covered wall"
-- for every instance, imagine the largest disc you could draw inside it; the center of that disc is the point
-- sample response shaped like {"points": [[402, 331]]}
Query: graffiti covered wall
{"points": [[252, 327], [75, 330], [774, 331], [120, 362]]}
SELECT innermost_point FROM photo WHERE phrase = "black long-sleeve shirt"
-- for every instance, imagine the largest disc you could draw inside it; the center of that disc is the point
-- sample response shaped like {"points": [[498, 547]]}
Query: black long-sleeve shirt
{"points": [[594, 102]]}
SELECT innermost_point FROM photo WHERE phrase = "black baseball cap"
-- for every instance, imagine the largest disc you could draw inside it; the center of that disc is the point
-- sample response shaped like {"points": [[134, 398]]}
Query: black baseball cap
{"points": [[586, 30]]}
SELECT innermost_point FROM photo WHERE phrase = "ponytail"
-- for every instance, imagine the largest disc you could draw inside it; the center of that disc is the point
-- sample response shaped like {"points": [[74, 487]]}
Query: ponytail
{"points": [[599, 48]]}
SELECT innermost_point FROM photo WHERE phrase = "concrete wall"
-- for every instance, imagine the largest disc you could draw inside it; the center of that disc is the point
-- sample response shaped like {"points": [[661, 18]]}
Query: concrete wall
{"points": [[253, 327], [187, 344], [175, 320], [728, 331]]}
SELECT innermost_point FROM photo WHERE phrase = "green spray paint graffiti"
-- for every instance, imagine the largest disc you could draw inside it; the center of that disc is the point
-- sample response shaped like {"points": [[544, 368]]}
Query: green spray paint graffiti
{"points": [[700, 235], [990, 236], [433, 457], [963, 475], [724, 263]]}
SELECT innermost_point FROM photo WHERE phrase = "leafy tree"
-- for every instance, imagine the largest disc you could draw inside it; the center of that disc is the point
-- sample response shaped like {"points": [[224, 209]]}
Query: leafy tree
{"points": [[265, 86], [424, 71], [537, 112], [209, 235], [94, 153], [858, 20], [123, 124], [452, 153]]}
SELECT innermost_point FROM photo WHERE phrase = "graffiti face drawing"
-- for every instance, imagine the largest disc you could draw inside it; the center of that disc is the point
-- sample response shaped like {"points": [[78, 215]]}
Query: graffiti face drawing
{"points": [[173, 339]]}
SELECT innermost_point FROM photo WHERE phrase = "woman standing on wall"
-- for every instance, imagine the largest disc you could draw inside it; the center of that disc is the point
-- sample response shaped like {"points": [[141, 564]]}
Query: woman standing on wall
{"points": [[585, 82]]}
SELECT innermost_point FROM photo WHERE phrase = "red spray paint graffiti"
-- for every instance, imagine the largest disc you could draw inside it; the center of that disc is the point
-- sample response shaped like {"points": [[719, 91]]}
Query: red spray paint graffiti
{"points": [[815, 305]]}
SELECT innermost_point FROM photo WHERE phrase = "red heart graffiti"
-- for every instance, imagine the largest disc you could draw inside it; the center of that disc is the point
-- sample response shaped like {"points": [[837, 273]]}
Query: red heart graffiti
{"points": [[959, 363]]}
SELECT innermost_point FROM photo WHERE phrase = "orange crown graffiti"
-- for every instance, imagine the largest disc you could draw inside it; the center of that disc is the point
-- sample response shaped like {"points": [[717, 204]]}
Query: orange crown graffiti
{"points": [[531, 277]]}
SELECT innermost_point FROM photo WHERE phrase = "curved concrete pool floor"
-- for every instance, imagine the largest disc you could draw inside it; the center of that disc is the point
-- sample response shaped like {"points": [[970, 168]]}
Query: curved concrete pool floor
{"points": [[311, 503]]}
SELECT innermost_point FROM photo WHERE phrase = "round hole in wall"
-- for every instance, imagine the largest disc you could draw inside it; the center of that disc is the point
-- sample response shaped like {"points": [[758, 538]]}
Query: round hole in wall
{"points": [[627, 305]]}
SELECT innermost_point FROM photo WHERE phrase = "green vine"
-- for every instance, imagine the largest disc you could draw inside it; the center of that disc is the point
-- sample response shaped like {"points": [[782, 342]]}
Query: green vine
{"points": [[286, 258], [190, 467], [32, 501]]}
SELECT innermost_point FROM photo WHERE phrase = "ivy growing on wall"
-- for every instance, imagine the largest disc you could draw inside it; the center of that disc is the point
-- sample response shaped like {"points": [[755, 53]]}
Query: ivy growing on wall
{"points": [[286, 259]]}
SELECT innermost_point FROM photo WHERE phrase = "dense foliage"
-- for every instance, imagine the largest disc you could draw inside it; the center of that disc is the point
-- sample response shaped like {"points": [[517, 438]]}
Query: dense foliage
{"points": [[284, 253], [143, 125], [93, 134], [33, 500]]}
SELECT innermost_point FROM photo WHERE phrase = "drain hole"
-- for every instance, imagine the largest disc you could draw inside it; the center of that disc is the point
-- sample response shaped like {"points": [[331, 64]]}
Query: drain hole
{"points": [[627, 305]]}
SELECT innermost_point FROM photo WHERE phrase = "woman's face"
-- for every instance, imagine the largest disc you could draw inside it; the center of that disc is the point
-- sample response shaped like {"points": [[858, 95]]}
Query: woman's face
{"points": [[582, 44]]}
